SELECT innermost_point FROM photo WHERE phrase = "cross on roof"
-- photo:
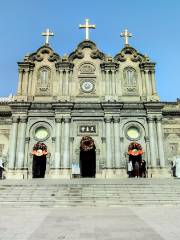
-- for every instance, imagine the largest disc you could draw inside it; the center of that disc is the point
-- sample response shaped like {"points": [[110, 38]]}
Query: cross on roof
{"points": [[47, 34], [126, 35], [87, 27]]}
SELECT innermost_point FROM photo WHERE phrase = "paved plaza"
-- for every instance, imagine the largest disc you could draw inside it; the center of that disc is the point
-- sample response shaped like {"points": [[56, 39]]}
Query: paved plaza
{"points": [[38, 223]]}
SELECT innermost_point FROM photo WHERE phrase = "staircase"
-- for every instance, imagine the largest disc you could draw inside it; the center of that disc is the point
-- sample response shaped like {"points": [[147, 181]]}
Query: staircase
{"points": [[89, 192]]}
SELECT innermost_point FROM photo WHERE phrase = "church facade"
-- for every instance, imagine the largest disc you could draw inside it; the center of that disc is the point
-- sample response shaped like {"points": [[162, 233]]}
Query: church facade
{"points": [[88, 109]]}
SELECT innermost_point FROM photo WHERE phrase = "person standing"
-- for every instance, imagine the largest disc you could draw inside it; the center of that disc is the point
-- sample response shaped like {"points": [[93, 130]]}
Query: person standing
{"points": [[136, 169], [130, 169], [1, 169], [143, 168]]}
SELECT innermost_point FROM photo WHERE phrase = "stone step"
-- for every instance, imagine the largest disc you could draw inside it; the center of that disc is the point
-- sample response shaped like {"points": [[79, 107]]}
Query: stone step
{"points": [[89, 192]]}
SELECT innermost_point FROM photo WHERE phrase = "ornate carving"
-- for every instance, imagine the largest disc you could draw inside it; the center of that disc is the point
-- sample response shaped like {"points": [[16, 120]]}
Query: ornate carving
{"points": [[58, 120], [23, 119], [116, 119], [97, 54], [86, 44], [43, 81], [53, 57], [135, 56], [107, 119], [130, 81], [87, 68], [67, 120], [41, 52], [87, 143]]}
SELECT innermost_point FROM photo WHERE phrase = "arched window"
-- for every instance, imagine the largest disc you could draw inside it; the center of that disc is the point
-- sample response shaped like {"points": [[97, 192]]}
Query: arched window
{"points": [[130, 76], [44, 76]]}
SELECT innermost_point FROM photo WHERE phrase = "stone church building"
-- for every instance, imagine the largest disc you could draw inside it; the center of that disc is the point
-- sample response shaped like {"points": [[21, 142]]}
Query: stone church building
{"points": [[88, 109]]}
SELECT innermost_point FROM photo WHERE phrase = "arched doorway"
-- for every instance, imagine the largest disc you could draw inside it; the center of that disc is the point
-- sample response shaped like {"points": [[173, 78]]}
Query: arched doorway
{"points": [[135, 156], [39, 160], [87, 157]]}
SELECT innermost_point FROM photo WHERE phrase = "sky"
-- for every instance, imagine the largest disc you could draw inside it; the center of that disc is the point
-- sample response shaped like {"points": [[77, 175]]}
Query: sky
{"points": [[153, 23]]}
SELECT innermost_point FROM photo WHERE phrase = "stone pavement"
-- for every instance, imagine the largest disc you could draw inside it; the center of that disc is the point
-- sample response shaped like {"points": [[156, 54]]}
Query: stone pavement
{"points": [[90, 223]]}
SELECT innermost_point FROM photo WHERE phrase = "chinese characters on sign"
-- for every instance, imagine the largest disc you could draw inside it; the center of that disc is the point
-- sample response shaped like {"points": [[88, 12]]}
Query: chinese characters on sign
{"points": [[87, 129]]}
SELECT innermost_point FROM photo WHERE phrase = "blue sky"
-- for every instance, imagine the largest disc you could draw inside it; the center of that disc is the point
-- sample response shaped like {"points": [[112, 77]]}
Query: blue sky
{"points": [[154, 24]]}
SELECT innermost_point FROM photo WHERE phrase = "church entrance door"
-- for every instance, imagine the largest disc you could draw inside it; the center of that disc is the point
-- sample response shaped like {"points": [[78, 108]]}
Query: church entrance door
{"points": [[39, 166], [39, 160], [135, 156], [87, 157]]}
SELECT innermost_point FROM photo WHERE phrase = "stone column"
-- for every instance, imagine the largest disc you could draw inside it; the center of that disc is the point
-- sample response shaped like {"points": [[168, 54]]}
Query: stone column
{"points": [[57, 162], [116, 142], [60, 82], [26, 83], [70, 82], [113, 83], [160, 142], [147, 82], [108, 143], [107, 82], [30, 82], [13, 143], [19, 91], [67, 83], [152, 141], [153, 82], [22, 140], [66, 142]]}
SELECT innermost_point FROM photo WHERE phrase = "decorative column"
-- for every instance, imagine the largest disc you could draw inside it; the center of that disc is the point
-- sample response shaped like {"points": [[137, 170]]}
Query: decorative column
{"points": [[57, 163], [13, 143], [117, 142], [30, 81], [152, 141], [107, 82], [160, 142], [113, 82], [70, 82], [26, 83], [22, 140], [147, 82], [67, 83], [108, 143], [153, 83], [60, 82], [103, 90], [19, 91], [66, 154]]}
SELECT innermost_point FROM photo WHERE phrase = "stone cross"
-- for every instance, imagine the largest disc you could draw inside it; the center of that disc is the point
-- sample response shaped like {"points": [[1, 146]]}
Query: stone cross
{"points": [[47, 34], [126, 35], [87, 27]]}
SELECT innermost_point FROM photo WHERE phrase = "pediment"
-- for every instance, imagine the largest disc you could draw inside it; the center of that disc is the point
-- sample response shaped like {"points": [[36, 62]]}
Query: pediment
{"points": [[95, 52], [41, 53], [135, 56]]}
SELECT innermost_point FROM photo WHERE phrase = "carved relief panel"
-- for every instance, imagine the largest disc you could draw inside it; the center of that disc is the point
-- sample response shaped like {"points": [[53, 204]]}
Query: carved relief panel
{"points": [[43, 81], [130, 81]]}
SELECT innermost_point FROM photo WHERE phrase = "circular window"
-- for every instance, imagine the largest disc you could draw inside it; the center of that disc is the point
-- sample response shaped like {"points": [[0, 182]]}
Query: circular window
{"points": [[133, 133], [41, 133]]}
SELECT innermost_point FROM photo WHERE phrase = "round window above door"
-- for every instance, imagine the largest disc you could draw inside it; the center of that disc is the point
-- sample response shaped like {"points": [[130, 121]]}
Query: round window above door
{"points": [[133, 133], [41, 133]]}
